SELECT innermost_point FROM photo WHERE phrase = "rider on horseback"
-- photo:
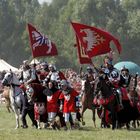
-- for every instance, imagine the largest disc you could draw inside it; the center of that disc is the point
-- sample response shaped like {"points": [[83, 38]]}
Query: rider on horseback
{"points": [[29, 73], [89, 76], [44, 71], [124, 77], [113, 76]]}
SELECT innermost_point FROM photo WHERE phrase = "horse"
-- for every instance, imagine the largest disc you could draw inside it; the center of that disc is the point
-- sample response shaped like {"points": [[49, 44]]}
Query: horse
{"points": [[87, 100], [106, 98], [39, 100], [5, 94], [109, 101], [134, 96], [10, 79]]}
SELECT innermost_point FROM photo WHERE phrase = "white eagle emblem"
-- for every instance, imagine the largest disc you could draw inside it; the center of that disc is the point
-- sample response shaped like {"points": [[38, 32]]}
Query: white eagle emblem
{"points": [[49, 98], [92, 39], [67, 97], [41, 40]]}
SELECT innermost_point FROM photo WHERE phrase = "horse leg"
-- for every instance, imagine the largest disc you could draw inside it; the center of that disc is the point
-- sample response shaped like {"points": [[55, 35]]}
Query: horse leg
{"points": [[82, 115], [17, 117], [93, 116], [138, 124], [8, 107], [38, 123], [114, 117], [134, 123], [127, 126]]}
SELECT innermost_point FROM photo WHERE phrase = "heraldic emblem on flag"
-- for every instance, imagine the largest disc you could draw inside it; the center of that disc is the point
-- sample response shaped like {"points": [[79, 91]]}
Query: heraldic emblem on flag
{"points": [[95, 41], [83, 57], [40, 44]]}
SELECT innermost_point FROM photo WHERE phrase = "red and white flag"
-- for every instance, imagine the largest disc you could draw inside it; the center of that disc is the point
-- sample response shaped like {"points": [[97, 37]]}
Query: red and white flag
{"points": [[95, 41], [83, 57], [40, 44]]}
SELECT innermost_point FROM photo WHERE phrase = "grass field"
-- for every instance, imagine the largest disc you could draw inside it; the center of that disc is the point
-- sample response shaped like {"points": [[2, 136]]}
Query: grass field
{"points": [[88, 132]]}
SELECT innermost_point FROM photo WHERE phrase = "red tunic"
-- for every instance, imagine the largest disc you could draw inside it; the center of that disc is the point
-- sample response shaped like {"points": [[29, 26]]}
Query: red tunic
{"points": [[52, 102], [69, 101], [61, 76]]}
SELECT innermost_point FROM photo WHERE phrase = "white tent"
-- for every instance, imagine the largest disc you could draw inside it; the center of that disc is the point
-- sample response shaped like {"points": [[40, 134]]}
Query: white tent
{"points": [[35, 61], [5, 66]]}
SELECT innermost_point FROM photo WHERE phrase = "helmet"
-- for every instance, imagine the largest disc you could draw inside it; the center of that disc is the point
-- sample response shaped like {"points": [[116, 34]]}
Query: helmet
{"points": [[124, 69], [44, 64], [52, 66], [89, 69], [64, 83], [25, 62]]}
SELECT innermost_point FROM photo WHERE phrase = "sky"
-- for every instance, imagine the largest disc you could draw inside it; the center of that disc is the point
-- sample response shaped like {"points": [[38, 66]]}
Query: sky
{"points": [[41, 1]]}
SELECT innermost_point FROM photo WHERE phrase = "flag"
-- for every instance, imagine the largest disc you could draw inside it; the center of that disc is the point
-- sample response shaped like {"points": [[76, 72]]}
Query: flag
{"points": [[83, 57], [40, 44], [94, 40]]}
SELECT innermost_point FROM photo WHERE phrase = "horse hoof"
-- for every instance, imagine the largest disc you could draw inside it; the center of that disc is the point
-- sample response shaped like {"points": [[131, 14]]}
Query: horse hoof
{"points": [[83, 123], [16, 127]]}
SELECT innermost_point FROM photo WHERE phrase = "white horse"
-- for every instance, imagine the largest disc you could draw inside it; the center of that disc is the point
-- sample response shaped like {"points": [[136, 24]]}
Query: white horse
{"points": [[11, 80]]}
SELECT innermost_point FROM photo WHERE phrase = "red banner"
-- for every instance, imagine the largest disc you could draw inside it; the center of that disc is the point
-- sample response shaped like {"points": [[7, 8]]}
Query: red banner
{"points": [[83, 57], [95, 41], [40, 44]]}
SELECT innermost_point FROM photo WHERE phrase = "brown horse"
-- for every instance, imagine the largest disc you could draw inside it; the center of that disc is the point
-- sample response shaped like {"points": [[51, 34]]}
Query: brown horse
{"points": [[5, 94], [87, 98], [134, 96]]}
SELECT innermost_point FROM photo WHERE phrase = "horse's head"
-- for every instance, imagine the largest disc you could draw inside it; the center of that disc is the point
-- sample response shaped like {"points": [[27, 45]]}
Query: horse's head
{"points": [[103, 85], [101, 75], [10, 78], [7, 80]]}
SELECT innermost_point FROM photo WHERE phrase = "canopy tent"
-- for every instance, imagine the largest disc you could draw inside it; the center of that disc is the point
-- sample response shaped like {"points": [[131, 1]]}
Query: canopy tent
{"points": [[4, 66], [35, 61], [133, 68]]}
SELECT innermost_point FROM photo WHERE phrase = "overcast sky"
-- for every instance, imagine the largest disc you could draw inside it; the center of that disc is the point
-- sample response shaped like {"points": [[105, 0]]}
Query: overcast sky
{"points": [[41, 1]]}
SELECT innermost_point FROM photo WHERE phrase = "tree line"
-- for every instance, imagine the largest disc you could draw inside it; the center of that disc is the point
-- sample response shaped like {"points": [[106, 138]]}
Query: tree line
{"points": [[119, 17]]}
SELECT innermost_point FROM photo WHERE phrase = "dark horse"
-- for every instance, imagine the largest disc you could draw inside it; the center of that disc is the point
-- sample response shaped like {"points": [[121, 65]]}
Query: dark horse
{"points": [[134, 96], [106, 98], [35, 94], [87, 98], [109, 101]]}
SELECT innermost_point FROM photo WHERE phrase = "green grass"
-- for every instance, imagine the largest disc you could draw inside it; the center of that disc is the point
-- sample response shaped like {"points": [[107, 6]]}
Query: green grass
{"points": [[88, 132]]}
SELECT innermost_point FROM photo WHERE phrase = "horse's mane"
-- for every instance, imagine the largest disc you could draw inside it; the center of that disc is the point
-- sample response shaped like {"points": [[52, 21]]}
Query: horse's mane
{"points": [[105, 87]]}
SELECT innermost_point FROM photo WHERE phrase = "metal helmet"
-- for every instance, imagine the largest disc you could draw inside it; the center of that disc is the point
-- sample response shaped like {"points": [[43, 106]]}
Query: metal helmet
{"points": [[124, 69], [64, 83], [52, 66]]}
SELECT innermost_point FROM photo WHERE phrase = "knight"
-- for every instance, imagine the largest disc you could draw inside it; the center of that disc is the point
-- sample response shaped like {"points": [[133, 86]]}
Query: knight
{"points": [[68, 107], [88, 77], [25, 73], [113, 76], [54, 75], [43, 72], [125, 77]]}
